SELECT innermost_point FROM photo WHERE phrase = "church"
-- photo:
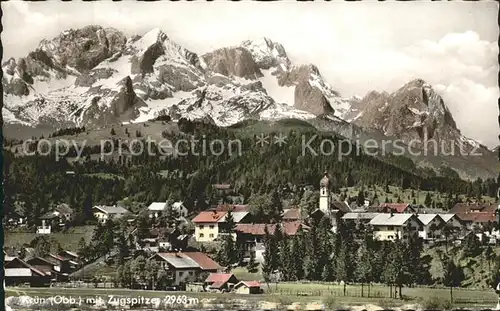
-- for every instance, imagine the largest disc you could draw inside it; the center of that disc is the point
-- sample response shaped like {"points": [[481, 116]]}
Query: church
{"points": [[328, 205]]}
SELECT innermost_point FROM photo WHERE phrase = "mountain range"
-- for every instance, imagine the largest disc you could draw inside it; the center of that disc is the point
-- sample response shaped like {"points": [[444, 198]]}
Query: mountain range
{"points": [[95, 76]]}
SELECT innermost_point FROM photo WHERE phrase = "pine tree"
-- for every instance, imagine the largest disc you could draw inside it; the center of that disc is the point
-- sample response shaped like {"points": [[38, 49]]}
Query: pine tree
{"points": [[267, 265], [253, 266], [428, 200], [113, 131], [297, 256]]}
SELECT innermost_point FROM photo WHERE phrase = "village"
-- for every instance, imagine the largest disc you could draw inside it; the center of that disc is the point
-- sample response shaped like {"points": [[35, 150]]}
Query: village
{"points": [[178, 246]]}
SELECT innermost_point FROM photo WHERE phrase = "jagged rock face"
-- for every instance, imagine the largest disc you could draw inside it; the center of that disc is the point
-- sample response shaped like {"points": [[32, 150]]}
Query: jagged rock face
{"points": [[84, 48], [310, 98], [414, 113], [236, 61], [268, 54]]}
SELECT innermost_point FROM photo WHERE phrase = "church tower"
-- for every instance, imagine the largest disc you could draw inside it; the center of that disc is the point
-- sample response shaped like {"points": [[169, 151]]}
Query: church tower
{"points": [[324, 194]]}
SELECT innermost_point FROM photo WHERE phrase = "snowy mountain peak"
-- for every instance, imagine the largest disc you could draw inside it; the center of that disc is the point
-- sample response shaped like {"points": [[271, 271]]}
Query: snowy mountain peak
{"points": [[150, 38], [267, 53]]}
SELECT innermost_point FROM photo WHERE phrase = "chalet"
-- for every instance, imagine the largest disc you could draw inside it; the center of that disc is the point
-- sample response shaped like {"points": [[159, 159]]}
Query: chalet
{"points": [[209, 224], [183, 267], [65, 264], [19, 272], [16, 217], [156, 208], [221, 281], [103, 213], [472, 214], [400, 208], [388, 227], [453, 222], [252, 235], [248, 287], [432, 226]]}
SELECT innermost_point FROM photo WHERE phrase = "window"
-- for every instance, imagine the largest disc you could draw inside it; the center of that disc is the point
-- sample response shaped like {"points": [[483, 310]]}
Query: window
{"points": [[211, 226], [190, 272], [181, 273], [390, 227], [201, 235], [390, 237], [202, 226], [211, 235]]}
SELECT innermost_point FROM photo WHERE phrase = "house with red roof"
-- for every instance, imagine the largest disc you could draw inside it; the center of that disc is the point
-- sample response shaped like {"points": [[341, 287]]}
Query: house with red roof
{"points": [[209, 224], [221, 281], [248, 287], [184, 267], [472, 214]]}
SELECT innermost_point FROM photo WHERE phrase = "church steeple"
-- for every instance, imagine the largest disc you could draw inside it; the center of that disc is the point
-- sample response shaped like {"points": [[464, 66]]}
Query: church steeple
{"points": [[324, 194]]}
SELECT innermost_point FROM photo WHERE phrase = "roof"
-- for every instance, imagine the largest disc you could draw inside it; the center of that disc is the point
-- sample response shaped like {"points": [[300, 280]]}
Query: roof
{"points": [[477, 217], [354, 216], [49, 215], [24, 265], [8, 258], [157, 206], [248, 284], [179, 260], [70, 253], [219, 279], [290, 228], [446, 217], [324, 182], [385, 219], [231, 207], [208, 217], [468, 207], [57, 257], [17, 272], [397, 207], [237, 216], [47, 262], [427, 218], [63, 208], [292, 214], [111, 209], [205, 262], [189, 260], [430, 210], [177, 205], [341, 206]]}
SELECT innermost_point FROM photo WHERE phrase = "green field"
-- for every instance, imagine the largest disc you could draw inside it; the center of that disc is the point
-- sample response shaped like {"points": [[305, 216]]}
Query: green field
{"points": [[288, 293], [68, 240]]}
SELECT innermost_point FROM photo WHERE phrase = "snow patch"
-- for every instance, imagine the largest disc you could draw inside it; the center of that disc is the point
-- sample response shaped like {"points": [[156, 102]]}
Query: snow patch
{"points": [[280, 94]]}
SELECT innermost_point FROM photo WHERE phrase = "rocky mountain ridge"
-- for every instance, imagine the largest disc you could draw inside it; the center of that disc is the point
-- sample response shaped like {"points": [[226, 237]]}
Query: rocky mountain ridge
{"points": [[96, 76]]}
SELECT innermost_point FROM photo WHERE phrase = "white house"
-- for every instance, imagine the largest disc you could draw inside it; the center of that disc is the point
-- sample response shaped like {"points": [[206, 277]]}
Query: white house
{"points": [[185, 267], [156, 208], [432, 226], [103, 213], [390, 226]]}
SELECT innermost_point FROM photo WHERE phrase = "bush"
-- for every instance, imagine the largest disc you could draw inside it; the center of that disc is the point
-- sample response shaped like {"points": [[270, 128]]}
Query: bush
{"points": [[330, 303], [436, 303]]}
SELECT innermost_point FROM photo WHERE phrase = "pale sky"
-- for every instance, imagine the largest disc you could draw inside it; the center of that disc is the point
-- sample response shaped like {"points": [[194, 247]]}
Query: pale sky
{"points": [[358, 47]]}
